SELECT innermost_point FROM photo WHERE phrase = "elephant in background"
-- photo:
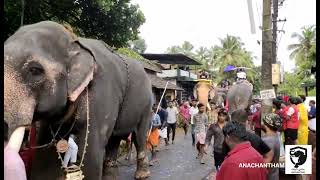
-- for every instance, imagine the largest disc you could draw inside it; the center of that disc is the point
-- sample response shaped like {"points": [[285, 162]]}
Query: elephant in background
{"points": [[239, 96], [220, 97], [203, 91], [52, 75]]}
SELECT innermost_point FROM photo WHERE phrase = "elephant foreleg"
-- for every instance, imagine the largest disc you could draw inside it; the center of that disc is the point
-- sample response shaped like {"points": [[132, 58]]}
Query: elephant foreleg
{"points": [[110, 167]]}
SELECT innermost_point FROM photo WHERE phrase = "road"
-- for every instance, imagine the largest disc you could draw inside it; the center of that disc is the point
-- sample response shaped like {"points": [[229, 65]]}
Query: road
{"points": [[176, 162]]}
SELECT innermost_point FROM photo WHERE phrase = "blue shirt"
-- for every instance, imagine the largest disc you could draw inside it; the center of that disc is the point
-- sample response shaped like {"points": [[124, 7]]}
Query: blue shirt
{"points": [[312, 111], [163, 114], [156, 120]]}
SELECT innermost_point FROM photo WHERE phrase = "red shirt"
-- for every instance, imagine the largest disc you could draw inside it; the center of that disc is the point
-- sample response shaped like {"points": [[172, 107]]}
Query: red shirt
{"points": [[293, 122], [185, 113], [256, 118], [242, 153]]}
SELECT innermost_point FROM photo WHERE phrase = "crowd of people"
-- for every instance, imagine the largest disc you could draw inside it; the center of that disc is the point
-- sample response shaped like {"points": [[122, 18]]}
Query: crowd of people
{"points": [[241, 137]]}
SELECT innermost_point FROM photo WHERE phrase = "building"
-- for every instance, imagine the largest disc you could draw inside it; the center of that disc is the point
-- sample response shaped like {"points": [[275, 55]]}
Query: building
{"points": [[175, 68], [158, 83]]}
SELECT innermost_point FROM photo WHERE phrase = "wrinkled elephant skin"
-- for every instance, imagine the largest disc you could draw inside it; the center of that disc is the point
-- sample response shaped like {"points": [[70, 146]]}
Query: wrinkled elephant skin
{"points": [[239, 96], [47, 68]]}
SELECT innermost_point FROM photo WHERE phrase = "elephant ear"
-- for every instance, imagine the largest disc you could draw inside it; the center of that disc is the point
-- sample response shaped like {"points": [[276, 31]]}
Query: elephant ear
{"points": [[195, 91], [81, 69]]}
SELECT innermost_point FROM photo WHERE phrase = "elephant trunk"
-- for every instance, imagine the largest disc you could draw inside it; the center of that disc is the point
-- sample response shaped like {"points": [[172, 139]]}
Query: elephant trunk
{"points": [[19, 103]]}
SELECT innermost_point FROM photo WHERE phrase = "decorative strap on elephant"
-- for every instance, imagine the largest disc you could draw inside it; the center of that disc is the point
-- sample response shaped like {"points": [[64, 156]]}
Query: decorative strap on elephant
{"points": [[75, 173], [66, 117]]}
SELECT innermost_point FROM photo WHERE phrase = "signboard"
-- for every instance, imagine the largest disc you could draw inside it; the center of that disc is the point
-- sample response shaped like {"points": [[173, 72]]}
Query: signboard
{"points": [[267, 94], [276, 74], [255, 96]]}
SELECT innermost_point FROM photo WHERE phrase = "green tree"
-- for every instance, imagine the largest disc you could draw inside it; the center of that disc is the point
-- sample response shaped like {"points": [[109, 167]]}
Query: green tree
{"points": [[114, 21], [292, 84], [231, 52], [303, 52], [202, 55], [138, 45]]}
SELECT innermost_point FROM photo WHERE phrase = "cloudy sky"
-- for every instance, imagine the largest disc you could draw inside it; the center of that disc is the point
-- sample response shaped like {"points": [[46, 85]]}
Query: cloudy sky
{"points": [[203, 22]]}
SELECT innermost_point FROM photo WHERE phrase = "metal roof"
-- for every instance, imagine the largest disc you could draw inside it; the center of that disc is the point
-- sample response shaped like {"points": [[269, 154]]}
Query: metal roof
{"points": [[171, 59], [147, 64], [160, 83]]}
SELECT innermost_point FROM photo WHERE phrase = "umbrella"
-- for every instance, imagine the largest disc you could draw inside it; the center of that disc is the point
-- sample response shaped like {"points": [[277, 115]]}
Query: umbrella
{"points": [[229, 68]]}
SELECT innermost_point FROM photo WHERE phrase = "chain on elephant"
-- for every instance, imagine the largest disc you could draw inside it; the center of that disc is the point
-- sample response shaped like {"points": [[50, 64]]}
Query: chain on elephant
{"points": [[110, 170]]}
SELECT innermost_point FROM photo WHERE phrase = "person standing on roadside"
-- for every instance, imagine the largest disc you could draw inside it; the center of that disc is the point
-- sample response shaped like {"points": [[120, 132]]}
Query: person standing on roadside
{"points": [[256, 120], [172, 121], [303, 132], [271, 124], [312, 112], [185, 116], [291, 122]]}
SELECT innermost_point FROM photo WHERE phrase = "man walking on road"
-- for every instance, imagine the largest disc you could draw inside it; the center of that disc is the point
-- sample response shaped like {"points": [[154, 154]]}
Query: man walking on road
{"points": [[200, 120], [163, 114], [193, 111], [153, 139], [172, 120], [185, 116], [215, 130], [241, 152]]}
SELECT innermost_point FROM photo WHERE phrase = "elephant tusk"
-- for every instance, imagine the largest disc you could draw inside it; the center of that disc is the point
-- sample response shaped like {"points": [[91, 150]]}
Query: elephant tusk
{"points": [[16, 138]]}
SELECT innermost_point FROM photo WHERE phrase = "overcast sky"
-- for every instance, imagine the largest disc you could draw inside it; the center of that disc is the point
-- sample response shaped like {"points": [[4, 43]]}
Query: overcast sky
{"points": [[203, 22]]}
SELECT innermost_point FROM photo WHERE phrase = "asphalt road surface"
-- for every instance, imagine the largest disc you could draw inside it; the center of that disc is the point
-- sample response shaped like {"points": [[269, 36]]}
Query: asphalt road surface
{"points": [[175, 162]]}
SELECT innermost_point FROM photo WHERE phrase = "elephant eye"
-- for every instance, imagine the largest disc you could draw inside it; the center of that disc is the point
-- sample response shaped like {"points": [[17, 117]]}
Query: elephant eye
{"points": [[36, 71]]}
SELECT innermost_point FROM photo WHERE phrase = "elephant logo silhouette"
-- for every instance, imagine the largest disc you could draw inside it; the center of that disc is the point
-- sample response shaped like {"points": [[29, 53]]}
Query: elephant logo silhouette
{"points": [[298, 156]]}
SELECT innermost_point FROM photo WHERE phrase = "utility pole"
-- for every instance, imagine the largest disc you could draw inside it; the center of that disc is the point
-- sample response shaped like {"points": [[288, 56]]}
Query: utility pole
{"points": [[267, 42], [274, 35]]}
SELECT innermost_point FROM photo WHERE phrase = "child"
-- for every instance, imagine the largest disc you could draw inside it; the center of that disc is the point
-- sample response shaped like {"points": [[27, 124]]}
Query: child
{"points": [[153, 139], [200, 120]]}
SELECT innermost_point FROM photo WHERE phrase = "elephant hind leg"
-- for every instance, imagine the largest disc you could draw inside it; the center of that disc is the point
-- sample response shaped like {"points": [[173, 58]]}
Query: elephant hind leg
{"points": [[110, 167], [139, 140]]}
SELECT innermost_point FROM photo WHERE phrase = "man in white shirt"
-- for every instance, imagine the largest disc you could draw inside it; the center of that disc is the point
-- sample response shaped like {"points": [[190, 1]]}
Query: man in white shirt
{"points": [[193, 111], [71, 154], [172, 120]]}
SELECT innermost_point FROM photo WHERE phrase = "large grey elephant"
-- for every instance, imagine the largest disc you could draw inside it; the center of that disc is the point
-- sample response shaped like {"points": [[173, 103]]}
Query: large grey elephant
{"points": [[53, 77], [220, 96], [239, 96]]}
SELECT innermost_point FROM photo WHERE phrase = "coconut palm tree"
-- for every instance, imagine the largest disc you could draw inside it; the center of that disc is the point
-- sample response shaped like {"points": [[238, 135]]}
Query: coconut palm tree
{"points": [[303, 50], [231, 52]]}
